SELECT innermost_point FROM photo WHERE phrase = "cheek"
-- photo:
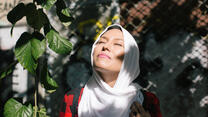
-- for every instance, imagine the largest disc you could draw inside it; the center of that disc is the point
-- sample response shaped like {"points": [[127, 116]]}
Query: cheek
{"points": [[118, 60], [95, 52], [119, 55], [96, 60]]}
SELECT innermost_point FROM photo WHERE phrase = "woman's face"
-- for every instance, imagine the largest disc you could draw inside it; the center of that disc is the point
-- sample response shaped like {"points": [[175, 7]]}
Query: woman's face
{"points": [[109, 51]]}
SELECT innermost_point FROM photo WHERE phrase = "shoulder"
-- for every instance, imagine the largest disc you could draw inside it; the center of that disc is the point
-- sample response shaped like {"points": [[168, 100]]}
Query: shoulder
{"points": [[74, 93], [151, 103], [150, 97], [70, 103]]}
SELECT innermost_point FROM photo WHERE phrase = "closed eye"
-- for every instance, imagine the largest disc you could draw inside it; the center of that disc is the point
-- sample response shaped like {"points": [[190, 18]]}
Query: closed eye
{"points": [[100, 42], [118, 44]]}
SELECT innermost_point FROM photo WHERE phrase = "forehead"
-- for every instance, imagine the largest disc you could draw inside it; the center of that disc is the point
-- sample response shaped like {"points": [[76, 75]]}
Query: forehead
{"points": [[113, 33]]}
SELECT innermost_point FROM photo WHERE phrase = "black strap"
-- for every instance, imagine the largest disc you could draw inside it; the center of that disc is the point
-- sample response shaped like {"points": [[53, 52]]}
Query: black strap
{"points": [[144, 101], [76, 93]]}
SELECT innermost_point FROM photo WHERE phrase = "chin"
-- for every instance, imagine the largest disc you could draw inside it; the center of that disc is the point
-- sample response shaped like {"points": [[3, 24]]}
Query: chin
{"points": [[105, 69], [101, 68], [102, 64]]}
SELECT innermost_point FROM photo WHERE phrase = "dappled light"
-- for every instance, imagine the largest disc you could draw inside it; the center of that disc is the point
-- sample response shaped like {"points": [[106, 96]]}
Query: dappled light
{"points": [[171, 35]]}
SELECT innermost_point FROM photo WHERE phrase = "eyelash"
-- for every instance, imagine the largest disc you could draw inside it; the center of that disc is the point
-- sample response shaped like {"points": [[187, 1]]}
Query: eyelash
{"points": [[117, 44], [101, 42]]}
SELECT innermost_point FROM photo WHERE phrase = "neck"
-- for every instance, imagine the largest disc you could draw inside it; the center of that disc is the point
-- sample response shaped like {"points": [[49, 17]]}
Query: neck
{"points": [[109, 78]]}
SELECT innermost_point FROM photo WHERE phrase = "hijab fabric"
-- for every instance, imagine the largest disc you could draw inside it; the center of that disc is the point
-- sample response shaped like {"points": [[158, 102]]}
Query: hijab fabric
{"points": [[101, 100]]}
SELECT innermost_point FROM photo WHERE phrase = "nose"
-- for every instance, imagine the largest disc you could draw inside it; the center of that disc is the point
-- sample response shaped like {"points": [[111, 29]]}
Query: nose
{"points": [[106, 46]]}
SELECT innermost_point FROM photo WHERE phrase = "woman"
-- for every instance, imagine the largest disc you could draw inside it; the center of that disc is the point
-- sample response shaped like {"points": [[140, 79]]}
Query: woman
{"points": [[110, 92]]}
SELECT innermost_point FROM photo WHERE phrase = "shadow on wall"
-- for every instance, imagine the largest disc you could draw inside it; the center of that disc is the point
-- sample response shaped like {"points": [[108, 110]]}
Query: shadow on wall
{"points": [[76, 71], [164, 17], [177, 73], [174, 58], [6, 58], [170, 16]]}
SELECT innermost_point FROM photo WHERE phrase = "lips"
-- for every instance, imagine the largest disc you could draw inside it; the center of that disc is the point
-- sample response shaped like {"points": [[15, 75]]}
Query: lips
{"points": [[102, 55]]}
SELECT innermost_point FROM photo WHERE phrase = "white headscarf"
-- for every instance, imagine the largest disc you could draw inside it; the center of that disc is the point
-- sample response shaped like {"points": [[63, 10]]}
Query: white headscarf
{"points": [[101, 100]]}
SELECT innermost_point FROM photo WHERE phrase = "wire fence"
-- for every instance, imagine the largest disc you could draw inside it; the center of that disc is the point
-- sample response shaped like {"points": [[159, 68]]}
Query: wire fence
{"points": [[165, 17], [173, 40]]}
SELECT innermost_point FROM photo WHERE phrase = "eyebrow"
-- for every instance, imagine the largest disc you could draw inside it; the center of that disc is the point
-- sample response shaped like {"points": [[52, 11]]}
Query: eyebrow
{"points": [[114, 39], [104, 37]]}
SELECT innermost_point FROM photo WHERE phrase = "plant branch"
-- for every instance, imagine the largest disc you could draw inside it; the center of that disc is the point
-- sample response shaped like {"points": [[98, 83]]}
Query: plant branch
{"points": [[36, 96]]}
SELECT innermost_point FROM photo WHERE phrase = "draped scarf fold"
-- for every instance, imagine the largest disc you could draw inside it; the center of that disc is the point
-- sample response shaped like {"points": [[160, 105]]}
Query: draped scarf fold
{"points": [[101, 100]]}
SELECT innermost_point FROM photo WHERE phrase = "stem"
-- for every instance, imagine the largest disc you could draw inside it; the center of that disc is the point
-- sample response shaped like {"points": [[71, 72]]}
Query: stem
{"points": [[36, 96]]}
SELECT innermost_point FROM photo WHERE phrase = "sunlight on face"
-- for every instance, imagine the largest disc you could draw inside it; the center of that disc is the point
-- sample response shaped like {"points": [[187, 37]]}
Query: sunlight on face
{"points": [[109, 51]]}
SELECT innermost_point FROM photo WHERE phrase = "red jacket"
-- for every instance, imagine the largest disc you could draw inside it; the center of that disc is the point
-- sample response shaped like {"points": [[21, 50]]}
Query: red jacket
{"points": [[69, 107]]}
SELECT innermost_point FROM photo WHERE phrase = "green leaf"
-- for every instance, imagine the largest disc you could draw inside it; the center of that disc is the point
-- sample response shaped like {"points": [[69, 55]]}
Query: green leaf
{"points": [[17, 13], [60, 4], [66, 12], [64, 15], [13, 108], [51, 84], [42, 112], [28, 49], [7, 71], [48, 4], [35, 18], [63, 12], [47, 82], [31, 8], [57, 43], [68, 17], [23, 52], [47, 27], [38, 44]]}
